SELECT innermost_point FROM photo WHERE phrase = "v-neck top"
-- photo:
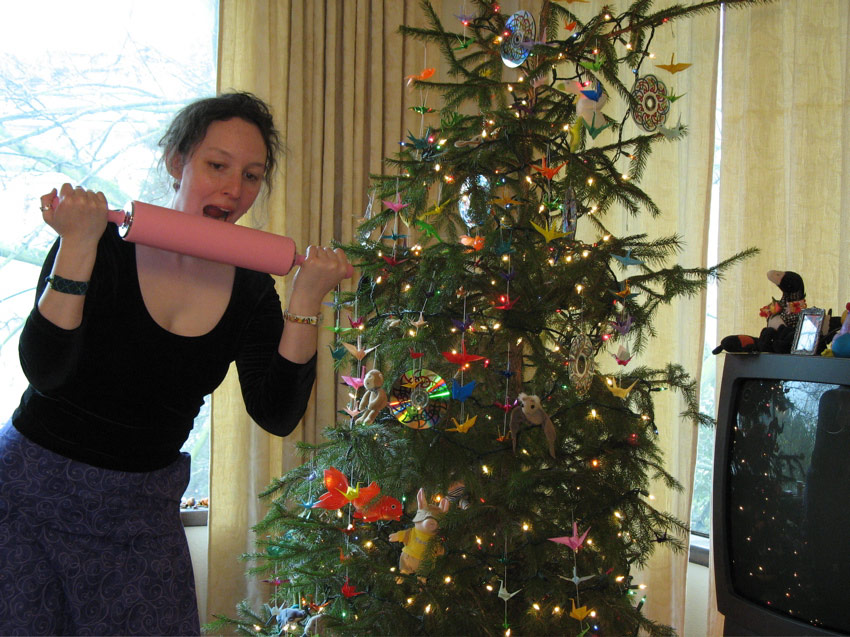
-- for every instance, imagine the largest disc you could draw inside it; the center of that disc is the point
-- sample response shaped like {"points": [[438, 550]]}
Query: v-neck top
{"points": [[121, 392]]}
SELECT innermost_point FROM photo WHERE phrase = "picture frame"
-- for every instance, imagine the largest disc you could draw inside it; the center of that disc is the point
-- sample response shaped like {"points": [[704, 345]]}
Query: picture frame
{"points": [[808, 334]]}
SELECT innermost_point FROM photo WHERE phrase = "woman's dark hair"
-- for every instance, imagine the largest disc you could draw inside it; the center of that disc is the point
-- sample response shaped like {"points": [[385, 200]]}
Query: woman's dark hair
{"points": [[189, 126]]}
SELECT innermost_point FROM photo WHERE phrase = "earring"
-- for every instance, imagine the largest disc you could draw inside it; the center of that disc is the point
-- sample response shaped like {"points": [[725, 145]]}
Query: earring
{"points": [[176, 186]]}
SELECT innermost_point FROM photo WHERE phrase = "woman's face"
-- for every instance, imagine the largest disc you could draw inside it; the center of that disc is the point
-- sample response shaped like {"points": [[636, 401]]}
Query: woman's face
{"points": [[222, 177]]}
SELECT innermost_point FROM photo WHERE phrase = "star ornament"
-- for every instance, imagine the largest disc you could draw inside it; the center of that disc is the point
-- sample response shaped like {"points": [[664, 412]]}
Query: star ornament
{"points": [[574, 541]]}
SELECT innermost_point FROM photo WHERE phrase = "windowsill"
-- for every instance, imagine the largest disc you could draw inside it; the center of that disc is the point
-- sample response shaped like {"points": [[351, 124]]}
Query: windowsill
{"points": [[194, 517], [699, 549]]}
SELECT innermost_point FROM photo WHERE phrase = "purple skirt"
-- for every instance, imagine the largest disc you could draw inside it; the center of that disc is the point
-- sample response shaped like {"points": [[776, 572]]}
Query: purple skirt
{"points": [[89, 551]]}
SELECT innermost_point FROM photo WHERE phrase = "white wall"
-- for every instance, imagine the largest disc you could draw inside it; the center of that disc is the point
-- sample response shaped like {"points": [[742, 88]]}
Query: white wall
{"points": [[198, 541]]}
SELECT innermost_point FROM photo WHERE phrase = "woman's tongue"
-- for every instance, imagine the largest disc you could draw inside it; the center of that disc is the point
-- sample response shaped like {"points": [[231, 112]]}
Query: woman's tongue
{"points": [[214, 212]]}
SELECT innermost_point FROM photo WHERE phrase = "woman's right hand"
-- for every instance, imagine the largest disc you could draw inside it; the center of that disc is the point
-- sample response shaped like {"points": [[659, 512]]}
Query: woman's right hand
{"points": [[77, 215]]}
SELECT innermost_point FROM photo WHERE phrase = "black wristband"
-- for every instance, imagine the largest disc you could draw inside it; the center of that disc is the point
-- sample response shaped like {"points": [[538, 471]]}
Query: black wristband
{"points": [[67, 286]]}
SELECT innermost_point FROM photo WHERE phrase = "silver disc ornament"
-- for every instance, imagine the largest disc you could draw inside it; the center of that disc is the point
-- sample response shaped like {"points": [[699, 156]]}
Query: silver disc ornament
{"points": [[419, 399], [519, 28], [474, 202]]}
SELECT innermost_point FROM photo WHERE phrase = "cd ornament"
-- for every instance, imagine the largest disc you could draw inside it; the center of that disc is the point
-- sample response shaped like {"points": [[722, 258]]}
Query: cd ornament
{"points": [[419, 399], [519, 29]]}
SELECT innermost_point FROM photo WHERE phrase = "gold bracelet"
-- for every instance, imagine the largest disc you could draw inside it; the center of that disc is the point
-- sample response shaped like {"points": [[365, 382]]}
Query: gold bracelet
{"points": [[303, 320]]}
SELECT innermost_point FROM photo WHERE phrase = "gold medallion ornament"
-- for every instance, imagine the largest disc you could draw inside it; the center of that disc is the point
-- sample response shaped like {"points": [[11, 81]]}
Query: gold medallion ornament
{"points": [[582, 364]]}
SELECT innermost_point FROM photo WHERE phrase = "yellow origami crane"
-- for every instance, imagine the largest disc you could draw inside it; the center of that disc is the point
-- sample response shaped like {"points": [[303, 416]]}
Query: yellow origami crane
{"points": [[673, 67], [549, 233], [579, 613], [465, 426], [620, 392]]}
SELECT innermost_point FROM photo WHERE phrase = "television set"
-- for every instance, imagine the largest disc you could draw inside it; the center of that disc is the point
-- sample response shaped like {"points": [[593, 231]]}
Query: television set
{"points": [[781, 495]]}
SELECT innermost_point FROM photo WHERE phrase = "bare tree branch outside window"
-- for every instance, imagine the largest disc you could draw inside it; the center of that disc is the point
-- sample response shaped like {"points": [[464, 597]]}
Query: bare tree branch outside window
{"points": [[85, 100]]}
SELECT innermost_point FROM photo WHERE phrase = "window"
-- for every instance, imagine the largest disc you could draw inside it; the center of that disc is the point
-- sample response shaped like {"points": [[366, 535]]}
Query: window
{"points": [[86, 89], [704, 468]]}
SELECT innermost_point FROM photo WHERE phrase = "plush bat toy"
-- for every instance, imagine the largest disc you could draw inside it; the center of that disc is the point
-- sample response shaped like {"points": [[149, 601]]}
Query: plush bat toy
{"points": [[530, 411]]}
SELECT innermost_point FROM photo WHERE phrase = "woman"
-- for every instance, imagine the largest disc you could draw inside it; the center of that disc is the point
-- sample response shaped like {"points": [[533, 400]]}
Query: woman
{"points": [[120, 349]]}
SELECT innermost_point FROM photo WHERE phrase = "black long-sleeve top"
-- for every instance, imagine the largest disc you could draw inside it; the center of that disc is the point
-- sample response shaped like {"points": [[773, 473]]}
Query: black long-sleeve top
{"points": [[121, 392]]}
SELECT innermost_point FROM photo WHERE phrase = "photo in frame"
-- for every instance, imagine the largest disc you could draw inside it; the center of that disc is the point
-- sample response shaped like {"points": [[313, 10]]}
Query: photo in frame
{"points": [[808, 333]]}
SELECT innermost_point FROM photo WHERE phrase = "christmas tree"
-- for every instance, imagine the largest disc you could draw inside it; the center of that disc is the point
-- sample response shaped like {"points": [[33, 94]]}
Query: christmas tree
{"points": [[490, 472]]}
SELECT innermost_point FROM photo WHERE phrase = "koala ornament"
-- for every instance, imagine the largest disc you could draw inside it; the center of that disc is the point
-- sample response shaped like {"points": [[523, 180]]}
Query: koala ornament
{"points": [[375, 398], [530, 411]]}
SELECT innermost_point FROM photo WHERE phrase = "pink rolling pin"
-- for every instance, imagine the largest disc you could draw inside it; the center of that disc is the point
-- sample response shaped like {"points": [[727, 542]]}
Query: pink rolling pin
{"points": [[206, 238]]}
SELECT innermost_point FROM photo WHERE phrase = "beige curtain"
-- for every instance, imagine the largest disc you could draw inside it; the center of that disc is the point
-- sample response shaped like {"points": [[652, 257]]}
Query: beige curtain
{"points": [[332, 73], [678, 178], [785, 170]]}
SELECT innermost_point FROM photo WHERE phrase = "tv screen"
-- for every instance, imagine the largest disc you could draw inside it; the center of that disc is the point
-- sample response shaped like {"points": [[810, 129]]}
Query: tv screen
{"points": [[781, 523]]}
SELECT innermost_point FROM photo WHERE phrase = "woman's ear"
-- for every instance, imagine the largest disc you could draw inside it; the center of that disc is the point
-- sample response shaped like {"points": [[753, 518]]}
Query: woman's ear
{"points": [[174, 165]]}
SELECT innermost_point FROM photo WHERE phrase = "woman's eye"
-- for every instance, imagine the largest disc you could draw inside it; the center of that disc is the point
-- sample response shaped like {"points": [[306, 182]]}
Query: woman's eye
{"points": [[216, 165], [252, 177]]}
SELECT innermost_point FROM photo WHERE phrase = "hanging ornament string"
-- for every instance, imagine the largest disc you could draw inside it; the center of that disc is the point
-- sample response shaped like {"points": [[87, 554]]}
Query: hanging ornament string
{"points": [[463, 349], [503, 432], [423, 98], [504, 594]]}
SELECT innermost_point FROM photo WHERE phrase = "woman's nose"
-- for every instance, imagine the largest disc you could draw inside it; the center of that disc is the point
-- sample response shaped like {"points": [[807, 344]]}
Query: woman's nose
{"points": [[233, 186]]}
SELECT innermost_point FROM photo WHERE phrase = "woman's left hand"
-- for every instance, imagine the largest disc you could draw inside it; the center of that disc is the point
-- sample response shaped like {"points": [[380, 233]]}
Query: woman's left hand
{"points": [[321, 271]]}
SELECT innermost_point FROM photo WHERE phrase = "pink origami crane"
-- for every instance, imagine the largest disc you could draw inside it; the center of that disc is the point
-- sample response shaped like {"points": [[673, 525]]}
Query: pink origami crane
{"points": [[574, 541]]}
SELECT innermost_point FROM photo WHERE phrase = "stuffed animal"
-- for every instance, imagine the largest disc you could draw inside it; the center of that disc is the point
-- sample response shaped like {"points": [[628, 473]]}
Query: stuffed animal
{"points": [[416, 538], [286, 616], [782, 318], [319, 625], [374, 399], [529, 410], [737, 343], [782, 315]]}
